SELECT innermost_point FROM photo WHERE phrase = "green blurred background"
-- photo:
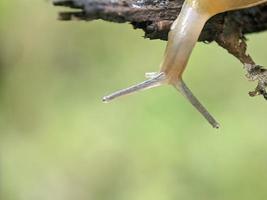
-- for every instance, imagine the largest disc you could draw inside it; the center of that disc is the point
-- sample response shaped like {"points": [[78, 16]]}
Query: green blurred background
{"points": [[60, 142]]}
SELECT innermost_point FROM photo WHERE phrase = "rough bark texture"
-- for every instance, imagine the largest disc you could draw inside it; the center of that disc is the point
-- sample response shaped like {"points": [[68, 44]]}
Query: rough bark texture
{"points": [[156, 16]]}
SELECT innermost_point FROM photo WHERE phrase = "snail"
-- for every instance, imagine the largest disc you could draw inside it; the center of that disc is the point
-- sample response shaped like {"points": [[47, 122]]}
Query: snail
{"points": [[182, 38]]}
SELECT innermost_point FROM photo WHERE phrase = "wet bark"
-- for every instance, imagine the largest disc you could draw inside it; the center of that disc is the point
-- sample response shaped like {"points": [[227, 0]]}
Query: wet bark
{"points": [[156, 16]]}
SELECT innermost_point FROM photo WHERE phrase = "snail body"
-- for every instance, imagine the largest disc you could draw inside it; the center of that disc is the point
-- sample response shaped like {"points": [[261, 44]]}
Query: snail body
{"points": [[182, 38]]}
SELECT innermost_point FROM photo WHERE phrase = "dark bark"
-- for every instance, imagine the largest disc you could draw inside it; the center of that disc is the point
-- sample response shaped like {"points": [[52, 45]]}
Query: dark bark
{"points": [[156, 16]]}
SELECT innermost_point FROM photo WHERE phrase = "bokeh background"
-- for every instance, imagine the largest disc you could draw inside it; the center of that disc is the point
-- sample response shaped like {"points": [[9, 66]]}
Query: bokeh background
{"points": [[60, 142]]}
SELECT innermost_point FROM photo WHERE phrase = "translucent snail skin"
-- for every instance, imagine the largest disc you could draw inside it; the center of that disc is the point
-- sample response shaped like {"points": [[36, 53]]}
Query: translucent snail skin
{"points": [[182, 38]]}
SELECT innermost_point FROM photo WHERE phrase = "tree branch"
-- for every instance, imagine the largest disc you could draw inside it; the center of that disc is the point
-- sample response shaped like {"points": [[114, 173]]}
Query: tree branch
{"points": [[156, 16]]}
